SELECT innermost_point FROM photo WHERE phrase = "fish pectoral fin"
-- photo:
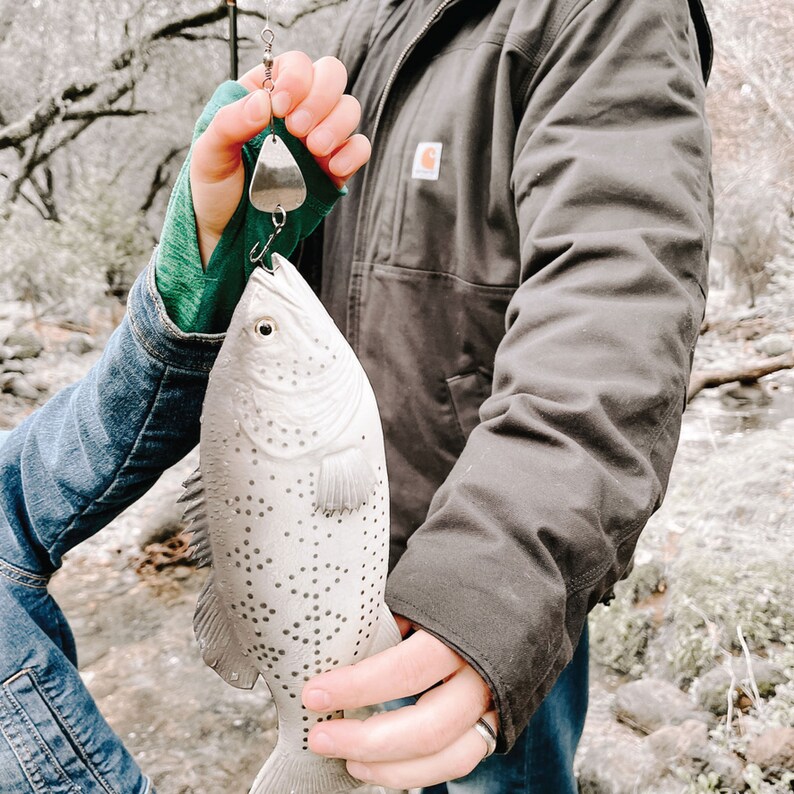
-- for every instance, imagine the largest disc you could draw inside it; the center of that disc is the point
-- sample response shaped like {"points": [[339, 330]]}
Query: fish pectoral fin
{"points": [[196, 516], [220, 648], [388, 633], [346, 481]]}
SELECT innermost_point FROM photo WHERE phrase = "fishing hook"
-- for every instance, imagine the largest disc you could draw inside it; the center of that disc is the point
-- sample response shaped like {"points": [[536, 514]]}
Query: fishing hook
{"points": [[279, 217]]}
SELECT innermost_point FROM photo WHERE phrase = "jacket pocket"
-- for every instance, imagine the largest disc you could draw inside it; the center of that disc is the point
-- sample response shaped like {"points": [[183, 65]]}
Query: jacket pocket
{"points": [[49, 757], [467, 393]]}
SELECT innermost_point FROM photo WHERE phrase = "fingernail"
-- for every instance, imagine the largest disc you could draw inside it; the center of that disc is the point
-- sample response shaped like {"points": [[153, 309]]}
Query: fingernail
{"points": [[341, 165], [281, 101], [360, 771], [317, 700], [300, 121], [322, 141], [323, 744], [256, 107]]}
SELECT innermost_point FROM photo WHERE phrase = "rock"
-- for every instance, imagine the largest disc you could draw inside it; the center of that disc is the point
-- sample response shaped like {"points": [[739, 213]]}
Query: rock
{"points": [[652, 703], [729, 767], [711, 689], [5, 352], [773, 749], [745, 394], [40, 381], [774, 344], [21, 387], [14, 365], [680, 744], [79, 344], [615, 767], [686, 747], [647, 578], [25, 344], [181, 572]]}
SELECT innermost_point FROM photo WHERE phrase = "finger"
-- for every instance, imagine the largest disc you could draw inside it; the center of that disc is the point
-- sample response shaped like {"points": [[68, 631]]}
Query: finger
{"points": [[341, 164], [328, 85], [335, 128], [293, 74], [344, 162], [440, 717], [406, 669], [454, 761], [403, 624], [216, 153]]}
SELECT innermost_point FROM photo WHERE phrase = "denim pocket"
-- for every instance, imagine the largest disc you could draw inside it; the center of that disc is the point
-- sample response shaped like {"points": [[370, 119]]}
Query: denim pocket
{"points": [[43, 746]]}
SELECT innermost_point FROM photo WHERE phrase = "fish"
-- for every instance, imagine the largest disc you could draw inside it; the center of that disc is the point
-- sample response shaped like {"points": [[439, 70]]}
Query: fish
{"points": [[289, 508]]}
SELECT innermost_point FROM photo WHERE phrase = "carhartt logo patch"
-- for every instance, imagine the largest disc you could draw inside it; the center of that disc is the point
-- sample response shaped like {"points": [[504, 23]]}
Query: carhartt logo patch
{"points": [[427, 161]]}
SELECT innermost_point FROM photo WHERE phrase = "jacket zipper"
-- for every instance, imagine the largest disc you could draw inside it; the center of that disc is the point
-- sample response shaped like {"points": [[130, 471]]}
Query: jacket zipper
{"points": [[403, 55], [352, 296]]}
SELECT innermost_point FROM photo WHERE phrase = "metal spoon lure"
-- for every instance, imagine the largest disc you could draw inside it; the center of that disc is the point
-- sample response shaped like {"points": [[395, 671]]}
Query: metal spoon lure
{"points": [[277, 186]]}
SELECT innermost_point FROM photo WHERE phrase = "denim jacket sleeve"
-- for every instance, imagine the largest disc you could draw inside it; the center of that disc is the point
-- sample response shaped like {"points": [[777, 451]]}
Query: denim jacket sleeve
{"points": [[99, 444]]}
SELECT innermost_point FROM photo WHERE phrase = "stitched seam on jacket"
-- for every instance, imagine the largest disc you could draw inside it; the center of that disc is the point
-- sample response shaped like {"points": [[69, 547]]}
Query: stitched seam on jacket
{"points": [[587, 578], [64, 725], [535, 56], [16, 744], [12, 577], [171, 328], [438, 274], [144, 343], [22, 572], [24, 719], [121, 466]]}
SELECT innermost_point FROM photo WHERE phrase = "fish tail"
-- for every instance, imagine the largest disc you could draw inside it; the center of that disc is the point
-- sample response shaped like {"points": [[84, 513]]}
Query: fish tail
{"points": [[303, 772]]}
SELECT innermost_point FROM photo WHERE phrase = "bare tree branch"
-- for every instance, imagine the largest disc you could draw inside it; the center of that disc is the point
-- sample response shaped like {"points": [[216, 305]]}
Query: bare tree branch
{"points": [[313, 7], [38, 154], [97, 113], [161, 176], [57, 104], [705, 379]]}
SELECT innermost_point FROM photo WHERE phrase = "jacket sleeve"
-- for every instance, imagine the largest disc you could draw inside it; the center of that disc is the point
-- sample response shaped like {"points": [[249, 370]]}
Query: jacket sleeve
{"points": [[99, 444], [540, 514]]}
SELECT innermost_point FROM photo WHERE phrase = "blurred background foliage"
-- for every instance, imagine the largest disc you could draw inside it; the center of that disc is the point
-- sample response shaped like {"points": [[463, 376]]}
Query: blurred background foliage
{"points": [[98, 101], [97, 106]]}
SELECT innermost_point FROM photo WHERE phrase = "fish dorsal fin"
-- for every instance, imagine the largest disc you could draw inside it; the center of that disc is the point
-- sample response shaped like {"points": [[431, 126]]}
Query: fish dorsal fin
{"points": [[346, 481], [220, 648], [196, 516]]}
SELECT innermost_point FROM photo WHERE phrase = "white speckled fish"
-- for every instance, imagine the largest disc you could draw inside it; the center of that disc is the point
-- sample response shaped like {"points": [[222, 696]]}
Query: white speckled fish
{"points": [[291, 509]]}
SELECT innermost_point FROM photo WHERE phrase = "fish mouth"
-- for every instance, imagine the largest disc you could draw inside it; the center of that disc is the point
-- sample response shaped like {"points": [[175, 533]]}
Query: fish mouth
{"points": [[286, 281]]}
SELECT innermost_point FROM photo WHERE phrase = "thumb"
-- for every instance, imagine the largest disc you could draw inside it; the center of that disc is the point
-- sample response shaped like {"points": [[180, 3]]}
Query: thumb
{"points": [[216, 153]]}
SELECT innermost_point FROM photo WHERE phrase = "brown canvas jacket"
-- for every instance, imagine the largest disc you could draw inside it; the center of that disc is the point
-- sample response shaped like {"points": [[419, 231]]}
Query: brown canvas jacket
{"points": [[528, 319]]}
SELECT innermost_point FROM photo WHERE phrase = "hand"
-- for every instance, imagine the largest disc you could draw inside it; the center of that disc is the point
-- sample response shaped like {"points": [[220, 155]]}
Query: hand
{"points": [[414, 746], [309, 96]]}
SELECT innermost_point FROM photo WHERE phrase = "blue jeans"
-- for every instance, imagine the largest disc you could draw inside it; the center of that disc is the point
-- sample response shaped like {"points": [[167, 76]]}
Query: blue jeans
{"points": [[66, 472]]}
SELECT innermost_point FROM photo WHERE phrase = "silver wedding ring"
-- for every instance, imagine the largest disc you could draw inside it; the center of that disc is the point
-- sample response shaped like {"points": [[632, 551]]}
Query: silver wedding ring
{"points": [[488, 734]]}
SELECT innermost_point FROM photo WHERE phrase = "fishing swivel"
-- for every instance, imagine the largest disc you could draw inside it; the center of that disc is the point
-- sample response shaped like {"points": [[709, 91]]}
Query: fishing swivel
{"points": [[268, 36]]}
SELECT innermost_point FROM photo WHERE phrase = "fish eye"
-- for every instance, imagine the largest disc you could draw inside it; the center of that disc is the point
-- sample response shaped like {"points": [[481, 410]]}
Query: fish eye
{"points": [[265, 327]]}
